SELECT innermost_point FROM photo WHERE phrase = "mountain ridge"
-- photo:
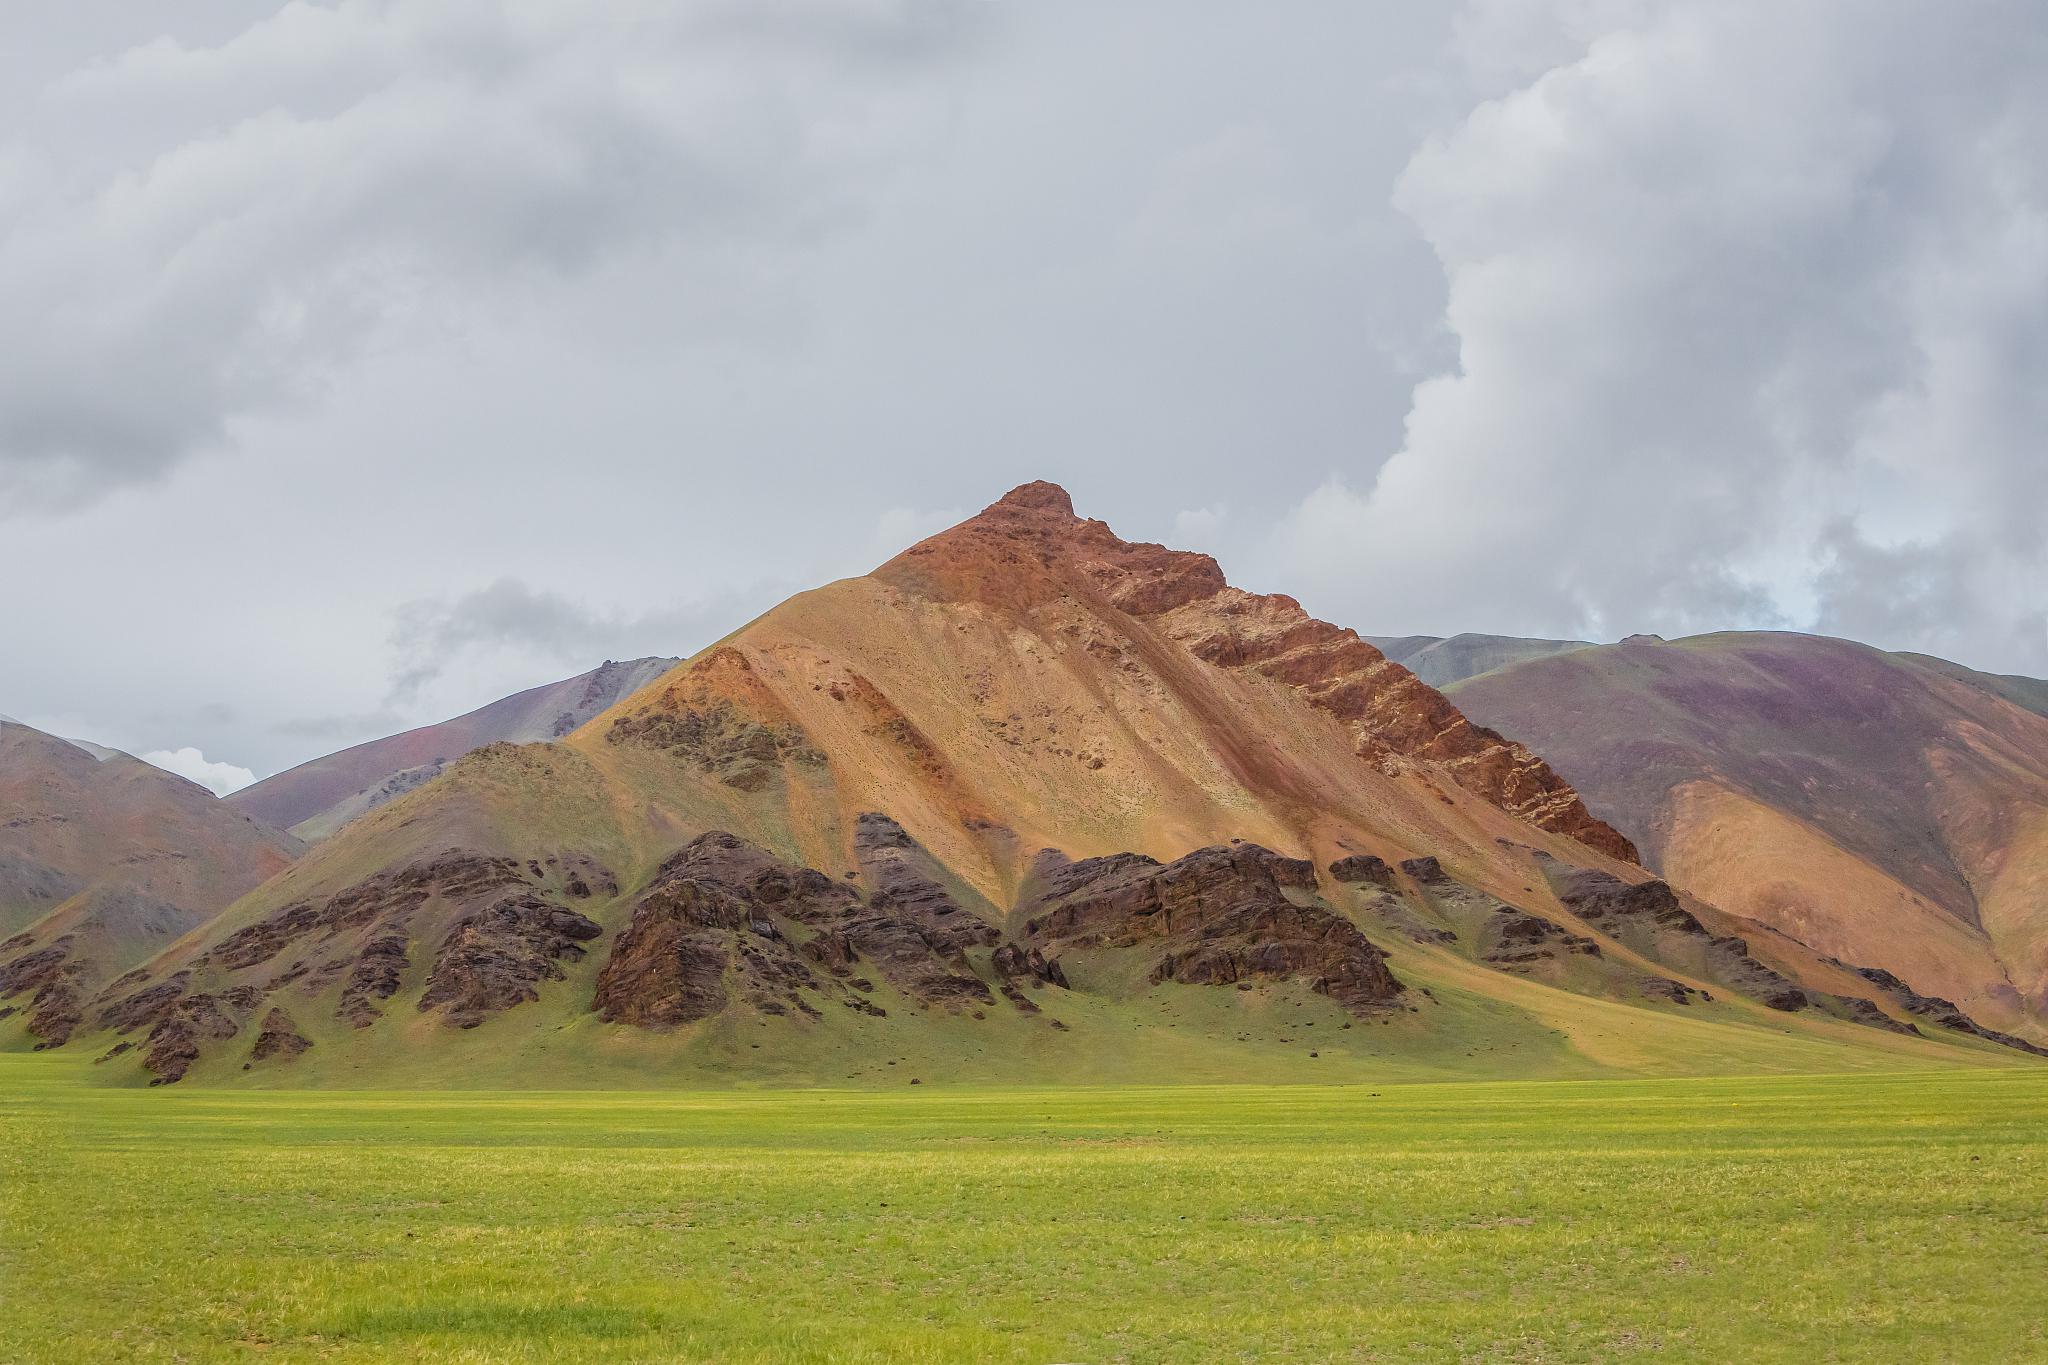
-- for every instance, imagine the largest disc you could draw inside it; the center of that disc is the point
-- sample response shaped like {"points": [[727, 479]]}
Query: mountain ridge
{"points": [[1805, 782], [317, 797], [1027, 800], [109, 860]]}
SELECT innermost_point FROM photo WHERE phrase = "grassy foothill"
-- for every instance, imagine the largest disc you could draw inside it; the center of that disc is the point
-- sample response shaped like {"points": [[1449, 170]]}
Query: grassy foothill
{"points": [[1867, 1217]]}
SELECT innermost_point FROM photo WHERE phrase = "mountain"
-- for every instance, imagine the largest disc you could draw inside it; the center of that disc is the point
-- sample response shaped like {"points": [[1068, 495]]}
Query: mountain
{"points": [[321, 795], [1441, 661], [1890, 810], [2028, 693], [105, 859], [1028, 802]]}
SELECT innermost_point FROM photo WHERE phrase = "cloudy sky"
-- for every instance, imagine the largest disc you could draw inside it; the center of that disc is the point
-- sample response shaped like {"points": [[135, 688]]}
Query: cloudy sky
{"points": [[364, 361]]}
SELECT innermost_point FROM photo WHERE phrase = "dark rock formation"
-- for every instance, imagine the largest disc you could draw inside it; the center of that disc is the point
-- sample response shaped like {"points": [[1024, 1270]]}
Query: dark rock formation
{"points": [[1362, 869], [362, 937], [1637, 910], [279, 1038], [1217, 916], [144, 1007], [1014, 962], [1677, 992], [55, 984], [1017, 967], [1520, 939], [375, 976], [668, 967], [1867, 1012], [389, 898], [1426, 871], [692, 720], [174, 1043], [494, 958], [914, 930], [722, 915], [1935, 1010]]}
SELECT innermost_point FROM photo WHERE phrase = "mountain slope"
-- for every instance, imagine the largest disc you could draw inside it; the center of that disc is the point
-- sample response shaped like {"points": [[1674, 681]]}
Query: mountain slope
{"points": [[1441, 661], [1026, 802], [323, 794], [105, 859], [1886, 809]]}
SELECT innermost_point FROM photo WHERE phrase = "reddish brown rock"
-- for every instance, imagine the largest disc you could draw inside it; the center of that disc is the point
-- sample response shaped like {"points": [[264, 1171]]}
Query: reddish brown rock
{"points": [[176, 1041], [1936, 1010], [279, 1038], [1029, 548], [55, 984], [1218, 916], [1639, 913], [375, 976], [668, 967], [493, 959], [1362, 869]]}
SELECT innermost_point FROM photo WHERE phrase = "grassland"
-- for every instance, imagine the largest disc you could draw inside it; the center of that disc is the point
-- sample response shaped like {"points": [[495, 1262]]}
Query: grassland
{"points": [[1872, 1217]]}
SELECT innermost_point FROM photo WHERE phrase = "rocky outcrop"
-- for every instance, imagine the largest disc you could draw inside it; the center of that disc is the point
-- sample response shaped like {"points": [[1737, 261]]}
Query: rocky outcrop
{"points": [[669, 965], [1935, 1010], [914, 929], [374, 976], [54, 982], [1518, 939], [192, 1021], [719, 718], [1638, 912], [723, 917], [361, 940], [495, 958], [1214, 917], [1014, 962], [1676, 992], [390, 898], [1362, 869], [280, 1039], [1867, 1012], [1019, 969]]}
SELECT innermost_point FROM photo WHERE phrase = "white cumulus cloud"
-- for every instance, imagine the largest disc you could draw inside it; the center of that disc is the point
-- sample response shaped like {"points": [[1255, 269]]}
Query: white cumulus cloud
{"points": [[1751, 304], [194, 766]]}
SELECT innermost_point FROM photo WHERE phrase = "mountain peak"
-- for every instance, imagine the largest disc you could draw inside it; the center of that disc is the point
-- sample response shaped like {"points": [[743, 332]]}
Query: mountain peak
{"points": [[1030, 547], [1037, 496]]}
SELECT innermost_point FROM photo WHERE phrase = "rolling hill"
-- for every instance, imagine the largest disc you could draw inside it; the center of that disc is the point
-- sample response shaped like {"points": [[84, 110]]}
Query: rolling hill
{"points": [[104, 860], [1890, 810], [321, 795], [1028, 802]]}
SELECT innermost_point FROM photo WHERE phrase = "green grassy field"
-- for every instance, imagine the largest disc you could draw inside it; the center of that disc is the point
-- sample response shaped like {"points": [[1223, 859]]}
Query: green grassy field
{"points": [[1871, 1217]]}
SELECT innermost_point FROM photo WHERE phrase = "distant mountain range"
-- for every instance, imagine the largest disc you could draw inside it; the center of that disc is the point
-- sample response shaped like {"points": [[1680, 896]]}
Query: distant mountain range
{"points": [[1887, 809], [105, 861], [1034, 802], [318, 797]]}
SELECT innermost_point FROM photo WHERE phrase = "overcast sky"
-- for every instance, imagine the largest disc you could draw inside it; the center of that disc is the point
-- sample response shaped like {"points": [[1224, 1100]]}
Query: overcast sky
{"points": [[363, 362]]}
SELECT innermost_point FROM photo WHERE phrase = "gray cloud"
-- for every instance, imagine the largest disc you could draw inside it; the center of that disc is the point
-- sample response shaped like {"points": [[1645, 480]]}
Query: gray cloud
{"points": [[199, 233], [430, 636]]}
